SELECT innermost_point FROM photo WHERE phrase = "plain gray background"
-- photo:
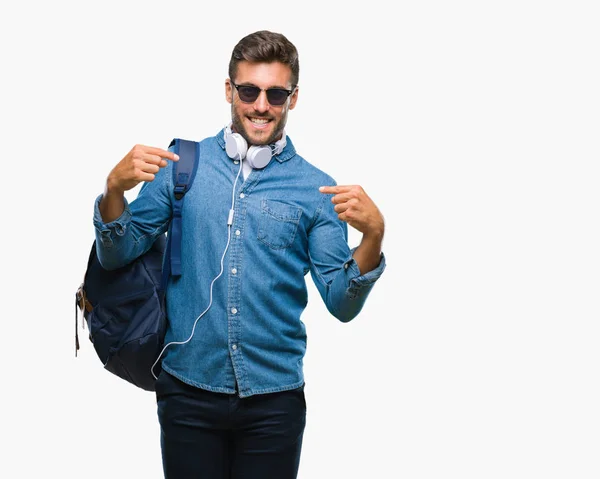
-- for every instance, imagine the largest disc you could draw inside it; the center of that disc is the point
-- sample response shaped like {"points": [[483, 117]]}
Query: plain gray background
{"points": [[474, 127]]}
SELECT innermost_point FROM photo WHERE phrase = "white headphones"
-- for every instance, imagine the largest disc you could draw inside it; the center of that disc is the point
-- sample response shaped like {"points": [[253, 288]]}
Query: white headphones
{"points": [[257, 156]]}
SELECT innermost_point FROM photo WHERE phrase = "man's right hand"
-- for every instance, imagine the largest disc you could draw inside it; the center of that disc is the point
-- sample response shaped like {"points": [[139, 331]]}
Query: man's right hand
{"points": [[140, 164]]}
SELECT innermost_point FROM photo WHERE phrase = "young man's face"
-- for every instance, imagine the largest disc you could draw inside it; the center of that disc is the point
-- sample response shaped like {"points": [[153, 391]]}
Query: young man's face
{"points": [[258, 121]]}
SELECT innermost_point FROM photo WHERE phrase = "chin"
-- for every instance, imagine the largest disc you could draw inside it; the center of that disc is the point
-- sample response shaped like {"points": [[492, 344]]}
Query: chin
{"points": [[261, 137]]}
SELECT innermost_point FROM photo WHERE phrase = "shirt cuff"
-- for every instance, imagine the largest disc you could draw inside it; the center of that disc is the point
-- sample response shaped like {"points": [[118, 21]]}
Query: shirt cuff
{"points": [[356, 279], [115, 227]]}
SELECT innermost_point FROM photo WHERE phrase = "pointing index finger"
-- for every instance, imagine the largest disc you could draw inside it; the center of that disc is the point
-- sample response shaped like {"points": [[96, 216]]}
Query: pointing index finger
{"points": [[334, 189], [163, 153]]}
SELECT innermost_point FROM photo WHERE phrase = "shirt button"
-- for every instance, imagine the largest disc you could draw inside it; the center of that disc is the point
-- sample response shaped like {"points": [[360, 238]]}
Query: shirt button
{"points": [[242, 195], [238, 232], [234, 271], [346, 266], [234, 347], [236, 162], [233, 310]]}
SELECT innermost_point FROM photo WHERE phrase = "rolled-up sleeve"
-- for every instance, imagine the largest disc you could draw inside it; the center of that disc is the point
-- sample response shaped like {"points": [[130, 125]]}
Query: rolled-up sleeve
{"points": [[333, 269], [132, 234], [362, 284]]}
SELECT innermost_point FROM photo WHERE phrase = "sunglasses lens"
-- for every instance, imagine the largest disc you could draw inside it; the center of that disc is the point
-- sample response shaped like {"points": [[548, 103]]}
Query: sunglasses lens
{"points": [[277, 96], [248, 94]]}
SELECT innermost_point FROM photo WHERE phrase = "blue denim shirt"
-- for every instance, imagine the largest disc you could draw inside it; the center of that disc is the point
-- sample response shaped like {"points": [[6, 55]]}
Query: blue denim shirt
{"points": [[252, 339]]}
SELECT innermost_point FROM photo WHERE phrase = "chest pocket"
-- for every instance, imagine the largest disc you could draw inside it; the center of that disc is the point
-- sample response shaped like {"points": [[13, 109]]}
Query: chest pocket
{"points": [[278, 223]]}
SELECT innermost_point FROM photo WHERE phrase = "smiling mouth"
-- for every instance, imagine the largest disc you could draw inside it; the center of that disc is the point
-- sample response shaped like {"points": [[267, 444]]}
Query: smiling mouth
{"points": [[259, 121]]}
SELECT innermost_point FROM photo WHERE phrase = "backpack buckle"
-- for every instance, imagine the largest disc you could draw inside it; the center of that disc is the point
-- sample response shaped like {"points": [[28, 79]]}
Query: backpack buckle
{"points": [[82, 301], [179, 191]]}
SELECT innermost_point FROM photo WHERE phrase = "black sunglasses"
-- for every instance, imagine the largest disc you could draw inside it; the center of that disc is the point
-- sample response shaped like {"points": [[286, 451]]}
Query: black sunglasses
{"points": [[275, 96]]}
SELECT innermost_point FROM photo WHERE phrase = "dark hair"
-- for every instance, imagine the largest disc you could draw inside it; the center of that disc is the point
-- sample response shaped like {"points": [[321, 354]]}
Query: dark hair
{"points": [[266, 47]]}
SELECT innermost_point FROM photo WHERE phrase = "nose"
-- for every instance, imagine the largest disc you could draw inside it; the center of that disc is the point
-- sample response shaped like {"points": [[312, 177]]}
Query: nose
{"points": [[261, 104]]}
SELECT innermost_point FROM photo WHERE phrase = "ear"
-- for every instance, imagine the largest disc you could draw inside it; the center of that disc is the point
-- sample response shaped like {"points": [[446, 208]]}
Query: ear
{"points": [[228, 91], [294, 98]]}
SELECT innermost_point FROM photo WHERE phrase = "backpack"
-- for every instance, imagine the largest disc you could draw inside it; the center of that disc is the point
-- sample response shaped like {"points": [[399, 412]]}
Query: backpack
{"points": [[125, 308]]}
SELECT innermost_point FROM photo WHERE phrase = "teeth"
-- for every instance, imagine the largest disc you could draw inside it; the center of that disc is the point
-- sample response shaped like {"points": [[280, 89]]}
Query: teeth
{"points": [[260, 121]]}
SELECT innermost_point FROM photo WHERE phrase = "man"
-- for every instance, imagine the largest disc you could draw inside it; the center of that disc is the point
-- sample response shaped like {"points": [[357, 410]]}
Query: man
{"points": [[257, 219]]}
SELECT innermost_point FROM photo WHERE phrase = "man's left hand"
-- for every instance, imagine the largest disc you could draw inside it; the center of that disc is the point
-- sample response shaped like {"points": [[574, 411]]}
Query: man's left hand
{"points": [[355, 207]]}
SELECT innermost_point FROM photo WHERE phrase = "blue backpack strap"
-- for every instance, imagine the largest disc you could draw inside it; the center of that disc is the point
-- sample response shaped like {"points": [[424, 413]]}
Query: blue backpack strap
{"points": [[184, 172]]}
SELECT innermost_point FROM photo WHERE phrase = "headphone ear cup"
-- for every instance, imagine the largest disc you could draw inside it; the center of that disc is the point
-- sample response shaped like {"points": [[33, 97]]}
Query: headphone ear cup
{"points": [[258, 156], [236, 147]]}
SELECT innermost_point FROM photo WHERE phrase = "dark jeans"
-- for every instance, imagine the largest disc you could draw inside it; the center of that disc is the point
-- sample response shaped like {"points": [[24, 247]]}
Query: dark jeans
{"points": [[206, 435]]}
